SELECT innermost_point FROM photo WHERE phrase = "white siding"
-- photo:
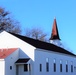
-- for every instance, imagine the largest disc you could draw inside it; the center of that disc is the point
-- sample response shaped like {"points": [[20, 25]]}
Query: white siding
{"points": [[9, 41], [2, 67], [40, 58], [28, 51], [21, 70], [22, 54], [10, 61]]}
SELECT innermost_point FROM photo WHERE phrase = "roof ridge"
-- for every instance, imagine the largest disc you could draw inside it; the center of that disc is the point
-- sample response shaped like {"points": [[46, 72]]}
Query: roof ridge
{"points": [[43, 45]]}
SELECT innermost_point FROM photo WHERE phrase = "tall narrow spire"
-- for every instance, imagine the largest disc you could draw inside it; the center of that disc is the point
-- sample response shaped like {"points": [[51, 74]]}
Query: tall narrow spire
{"points": [[55, 34]]}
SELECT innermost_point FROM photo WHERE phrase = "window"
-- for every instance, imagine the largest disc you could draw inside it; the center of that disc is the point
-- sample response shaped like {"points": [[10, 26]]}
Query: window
{"points": [[66, 66], [47, 67], [47, 64], [25, 67], [40, 67], [54, 65], [60, 66], [10, 67], [71, 66]]}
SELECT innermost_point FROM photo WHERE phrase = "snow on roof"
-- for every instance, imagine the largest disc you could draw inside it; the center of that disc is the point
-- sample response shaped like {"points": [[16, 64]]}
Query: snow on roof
{"points": [[6, 52]]}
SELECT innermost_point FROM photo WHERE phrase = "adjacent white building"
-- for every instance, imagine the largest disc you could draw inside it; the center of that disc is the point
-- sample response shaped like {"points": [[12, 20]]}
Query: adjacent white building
{"points": [[20, 55]]}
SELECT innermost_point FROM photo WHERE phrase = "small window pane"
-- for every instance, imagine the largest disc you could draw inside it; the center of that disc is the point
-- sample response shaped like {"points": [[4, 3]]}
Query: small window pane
{"points": [[54, 67], [40, 67], [10, 67], [25, 67], [47, 67], [60, 67], [71, 68], [66, 68]]}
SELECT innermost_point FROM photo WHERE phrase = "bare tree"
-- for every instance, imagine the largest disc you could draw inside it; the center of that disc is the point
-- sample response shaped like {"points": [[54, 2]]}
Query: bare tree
{"points": [[36, 33], [7, 23]]}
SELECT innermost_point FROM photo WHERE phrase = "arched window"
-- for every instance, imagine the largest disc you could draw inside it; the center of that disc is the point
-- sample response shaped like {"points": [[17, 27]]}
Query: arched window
{"points": [[47, 64], [71, 66], [54, 65], [66, 66], [60, 65]]}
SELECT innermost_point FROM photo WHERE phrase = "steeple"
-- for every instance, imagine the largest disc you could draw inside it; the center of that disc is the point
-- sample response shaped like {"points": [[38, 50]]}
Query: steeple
{"points": [[55, 34]]}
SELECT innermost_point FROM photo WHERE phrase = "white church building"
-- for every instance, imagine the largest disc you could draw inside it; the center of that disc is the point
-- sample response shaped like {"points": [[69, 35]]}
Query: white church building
{"points": [[20, 55]]}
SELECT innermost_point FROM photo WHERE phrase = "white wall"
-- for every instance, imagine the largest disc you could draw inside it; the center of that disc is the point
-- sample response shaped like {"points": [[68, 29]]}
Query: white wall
{"points": [[22, 54], [9, 41], [2, 67], [21, 70], [10, 61], [40, 58]]}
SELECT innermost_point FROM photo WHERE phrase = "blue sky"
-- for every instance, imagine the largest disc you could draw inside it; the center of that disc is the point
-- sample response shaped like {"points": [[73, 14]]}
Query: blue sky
{"points": [[41, 13]]}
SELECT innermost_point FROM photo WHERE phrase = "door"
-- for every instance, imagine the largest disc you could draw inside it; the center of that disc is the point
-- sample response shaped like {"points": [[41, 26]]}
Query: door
{"points": [[17, 70]]}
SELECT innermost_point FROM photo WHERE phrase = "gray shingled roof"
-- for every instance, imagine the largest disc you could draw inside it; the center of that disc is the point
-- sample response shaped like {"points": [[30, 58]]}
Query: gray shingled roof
{"points": [[43, 45]]}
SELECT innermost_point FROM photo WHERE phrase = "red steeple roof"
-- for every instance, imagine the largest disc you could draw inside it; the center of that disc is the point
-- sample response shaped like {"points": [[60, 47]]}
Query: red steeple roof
{"points": [[55, 34]]}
